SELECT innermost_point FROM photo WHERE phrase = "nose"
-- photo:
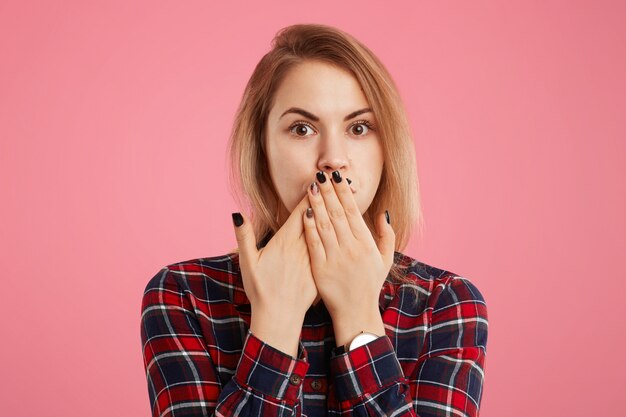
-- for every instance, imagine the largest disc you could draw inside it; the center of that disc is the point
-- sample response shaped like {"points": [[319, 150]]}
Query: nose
{"points": [[333, 154]]}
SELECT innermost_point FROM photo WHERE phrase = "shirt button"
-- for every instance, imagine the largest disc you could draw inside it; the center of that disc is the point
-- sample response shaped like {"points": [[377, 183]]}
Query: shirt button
{"points": [[295, 379], [316, 384]]}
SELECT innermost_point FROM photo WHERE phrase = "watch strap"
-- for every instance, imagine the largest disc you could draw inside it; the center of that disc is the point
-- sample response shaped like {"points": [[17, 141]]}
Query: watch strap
{"points": [[340, 350]]}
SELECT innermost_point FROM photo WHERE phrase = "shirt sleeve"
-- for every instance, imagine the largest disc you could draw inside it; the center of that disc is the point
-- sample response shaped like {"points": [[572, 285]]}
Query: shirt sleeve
{"points": [[448, 377], [182, 377], [368, 381]]}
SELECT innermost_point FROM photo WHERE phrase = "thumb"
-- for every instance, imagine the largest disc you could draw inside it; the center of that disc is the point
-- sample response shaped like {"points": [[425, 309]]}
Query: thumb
{"points": [[387, 237], [294, 226], [246, 241]]}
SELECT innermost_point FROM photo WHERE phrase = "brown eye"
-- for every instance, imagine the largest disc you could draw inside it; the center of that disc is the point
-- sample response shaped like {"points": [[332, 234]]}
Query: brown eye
{"points": [[360, 127], [300, 129]]}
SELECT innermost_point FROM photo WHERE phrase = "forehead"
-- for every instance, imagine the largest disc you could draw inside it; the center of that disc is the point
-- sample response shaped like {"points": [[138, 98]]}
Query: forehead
{"points": [[321, 88]]}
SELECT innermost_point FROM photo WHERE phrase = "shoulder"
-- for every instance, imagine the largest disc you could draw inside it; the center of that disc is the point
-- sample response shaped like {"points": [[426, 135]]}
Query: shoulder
{"points": [[441, 286], [454, 306], [199, 276]]}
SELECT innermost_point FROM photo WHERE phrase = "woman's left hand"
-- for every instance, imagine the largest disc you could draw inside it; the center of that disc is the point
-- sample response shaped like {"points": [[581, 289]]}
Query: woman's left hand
{"points": [[349, 267]]}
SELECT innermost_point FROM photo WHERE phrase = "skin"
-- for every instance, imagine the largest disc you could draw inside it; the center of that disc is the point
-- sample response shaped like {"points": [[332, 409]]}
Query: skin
{"points": [[296, 152], [349, 267]]}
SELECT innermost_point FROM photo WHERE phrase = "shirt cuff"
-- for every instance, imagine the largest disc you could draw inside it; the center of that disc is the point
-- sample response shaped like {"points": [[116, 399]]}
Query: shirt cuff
{"points": [[366, 369], [270, 371]]}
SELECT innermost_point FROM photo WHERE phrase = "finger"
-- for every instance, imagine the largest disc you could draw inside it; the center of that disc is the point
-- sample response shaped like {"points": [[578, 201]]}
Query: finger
{"points": [[334, 209], [313, 241], [386, 237], [325, 227], [246, 240], [293, 225], [351, 209]]}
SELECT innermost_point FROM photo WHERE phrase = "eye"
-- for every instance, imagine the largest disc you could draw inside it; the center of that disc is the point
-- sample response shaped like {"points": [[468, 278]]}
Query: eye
{"points": [[363, 126], [300, 127]]}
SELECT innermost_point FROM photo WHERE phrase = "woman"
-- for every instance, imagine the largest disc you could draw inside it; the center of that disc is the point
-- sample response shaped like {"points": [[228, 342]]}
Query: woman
{"points": [[317, 312]]}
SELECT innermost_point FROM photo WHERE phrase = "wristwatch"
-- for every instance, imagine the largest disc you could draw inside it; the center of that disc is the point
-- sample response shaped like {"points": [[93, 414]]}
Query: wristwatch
{"points": [[359, 340]]}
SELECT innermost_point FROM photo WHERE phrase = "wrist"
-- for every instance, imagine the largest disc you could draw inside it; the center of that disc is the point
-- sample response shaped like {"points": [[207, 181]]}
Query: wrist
{"points": [[280, 333], [347, 327]]}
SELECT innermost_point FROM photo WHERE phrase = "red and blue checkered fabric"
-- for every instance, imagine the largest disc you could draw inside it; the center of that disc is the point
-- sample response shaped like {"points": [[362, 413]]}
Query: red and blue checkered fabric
{"points": [[202, 360]]}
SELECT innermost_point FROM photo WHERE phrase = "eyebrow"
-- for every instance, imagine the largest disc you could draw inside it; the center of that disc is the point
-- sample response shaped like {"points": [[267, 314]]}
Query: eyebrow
{"points": [[313, 117]]}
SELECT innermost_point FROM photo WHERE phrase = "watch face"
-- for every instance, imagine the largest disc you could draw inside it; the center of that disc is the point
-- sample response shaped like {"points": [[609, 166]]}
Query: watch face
{"points": [[362, 339]]}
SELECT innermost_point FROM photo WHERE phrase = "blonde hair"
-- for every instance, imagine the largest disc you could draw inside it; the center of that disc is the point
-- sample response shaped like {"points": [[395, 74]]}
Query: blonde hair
{"points": [[398, 190]]}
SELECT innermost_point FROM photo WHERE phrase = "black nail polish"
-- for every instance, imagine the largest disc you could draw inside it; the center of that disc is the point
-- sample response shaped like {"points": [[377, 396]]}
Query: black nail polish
{"points": [[320, 177], [337, 176], [309, 212], [237, 219], [349, 180], [387, 216]]}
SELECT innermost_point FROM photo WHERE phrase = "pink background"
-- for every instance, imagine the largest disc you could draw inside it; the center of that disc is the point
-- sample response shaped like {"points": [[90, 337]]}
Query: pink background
{"points": [[114, 120]]}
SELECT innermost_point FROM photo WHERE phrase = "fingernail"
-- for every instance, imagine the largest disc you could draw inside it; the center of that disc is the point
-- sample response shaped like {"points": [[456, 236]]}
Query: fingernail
{"points": [[321, 177], [336, 177], [349, 180], [387, 216], [237, 219], [309, 212], [314, 188]]}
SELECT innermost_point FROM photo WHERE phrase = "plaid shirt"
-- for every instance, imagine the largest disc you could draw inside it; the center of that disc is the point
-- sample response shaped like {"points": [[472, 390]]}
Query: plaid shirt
{"points": [[202, 360]]}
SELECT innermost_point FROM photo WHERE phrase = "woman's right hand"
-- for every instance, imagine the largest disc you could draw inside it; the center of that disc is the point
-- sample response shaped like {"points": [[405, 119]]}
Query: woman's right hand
{"points": [[277, 278]]}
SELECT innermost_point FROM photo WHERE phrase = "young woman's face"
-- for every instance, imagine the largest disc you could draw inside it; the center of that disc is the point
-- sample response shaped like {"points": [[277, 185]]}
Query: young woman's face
{"points": [[314, 126]]}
